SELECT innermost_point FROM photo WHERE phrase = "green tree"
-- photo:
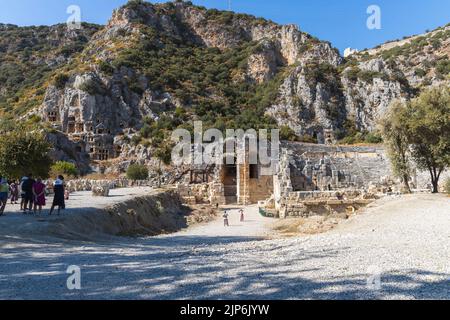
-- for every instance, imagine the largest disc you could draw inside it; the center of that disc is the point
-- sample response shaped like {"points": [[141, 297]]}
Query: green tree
{"points": [[427, 121], [64, 168], [396, 141], [164, 155], [23, 152], [137, 172]]}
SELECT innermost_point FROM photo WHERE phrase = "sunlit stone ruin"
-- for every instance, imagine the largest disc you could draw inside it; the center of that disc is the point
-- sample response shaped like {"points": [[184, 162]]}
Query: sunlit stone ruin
{"points": [[308, 179]]}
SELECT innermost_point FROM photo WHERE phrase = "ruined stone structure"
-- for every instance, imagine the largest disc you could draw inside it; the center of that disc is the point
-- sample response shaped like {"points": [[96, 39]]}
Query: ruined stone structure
{"points": [[327, 168], [328, 179], [84, 123], [236, 177], [308, 178], [241, 182], [304, 171], [89, 185], [304, 204]]}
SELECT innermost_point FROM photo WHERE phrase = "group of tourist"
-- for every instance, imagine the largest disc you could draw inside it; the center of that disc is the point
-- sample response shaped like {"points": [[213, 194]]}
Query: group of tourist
{"points": [[226, 222], [32, 194]]}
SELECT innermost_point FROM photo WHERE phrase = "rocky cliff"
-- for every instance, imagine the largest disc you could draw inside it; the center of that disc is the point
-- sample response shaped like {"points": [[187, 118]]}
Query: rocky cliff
{"points": [[156, 67]]}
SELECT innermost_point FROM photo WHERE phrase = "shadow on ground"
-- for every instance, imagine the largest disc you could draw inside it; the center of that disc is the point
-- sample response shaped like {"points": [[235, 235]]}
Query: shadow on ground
{"points": [[185, 267]]}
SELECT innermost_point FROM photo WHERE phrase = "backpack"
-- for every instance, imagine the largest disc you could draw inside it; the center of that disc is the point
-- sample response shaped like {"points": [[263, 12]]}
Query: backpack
{"points": [[27, 185], [4, 188]]}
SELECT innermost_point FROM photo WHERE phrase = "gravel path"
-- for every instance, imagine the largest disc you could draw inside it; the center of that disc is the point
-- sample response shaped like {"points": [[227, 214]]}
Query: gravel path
{"points": [[404, 240], [254, 226]]}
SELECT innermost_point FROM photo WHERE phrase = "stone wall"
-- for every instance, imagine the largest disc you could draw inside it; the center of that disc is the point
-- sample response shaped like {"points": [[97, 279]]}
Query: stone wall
{"points": [[194, 193], [87, 184], [260, 189], [326, 168], [310, 203]]}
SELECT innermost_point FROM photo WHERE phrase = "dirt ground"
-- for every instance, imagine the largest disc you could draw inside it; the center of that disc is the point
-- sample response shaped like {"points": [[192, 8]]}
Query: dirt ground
{"points": [[294, 227], [404, 241]]}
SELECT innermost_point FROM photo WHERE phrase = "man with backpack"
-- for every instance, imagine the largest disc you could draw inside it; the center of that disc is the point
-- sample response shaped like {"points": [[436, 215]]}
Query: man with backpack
{"points": [[27, 193]]}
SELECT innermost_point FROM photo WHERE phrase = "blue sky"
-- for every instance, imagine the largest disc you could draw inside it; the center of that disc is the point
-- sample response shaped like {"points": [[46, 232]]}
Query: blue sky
{"points": [[343, 22]]}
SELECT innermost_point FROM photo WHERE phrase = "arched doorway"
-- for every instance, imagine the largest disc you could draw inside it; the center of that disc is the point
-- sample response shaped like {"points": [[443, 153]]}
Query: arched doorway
{"points": [[229, 179]]}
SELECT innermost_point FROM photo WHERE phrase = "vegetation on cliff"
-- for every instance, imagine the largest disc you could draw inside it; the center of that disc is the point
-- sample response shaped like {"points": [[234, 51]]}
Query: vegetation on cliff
{"points": [[29, 56]]}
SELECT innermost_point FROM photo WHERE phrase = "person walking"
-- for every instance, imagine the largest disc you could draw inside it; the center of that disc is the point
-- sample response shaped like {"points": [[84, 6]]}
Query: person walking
{"points": [[242, 215], [4, 189], [27, 191], [58, 199], [226, 223], [38, 195], [22, 193], [14, 190]]}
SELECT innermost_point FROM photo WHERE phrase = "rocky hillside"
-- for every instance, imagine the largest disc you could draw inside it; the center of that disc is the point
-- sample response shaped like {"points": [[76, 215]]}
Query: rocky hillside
{"points": [[30, 55], [116, 92], [398, 69]]}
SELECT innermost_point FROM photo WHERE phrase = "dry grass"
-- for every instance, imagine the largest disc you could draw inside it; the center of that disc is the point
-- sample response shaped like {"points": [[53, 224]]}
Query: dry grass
{"points": [[201, 214], [293, 227]]}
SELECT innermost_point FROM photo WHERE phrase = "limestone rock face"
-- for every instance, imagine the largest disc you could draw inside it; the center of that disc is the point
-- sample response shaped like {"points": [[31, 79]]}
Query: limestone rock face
{"points": [[101, 115], [309, 106], [65, 149], [321, 52], [288, 38], [367, 102], [262, 66]]}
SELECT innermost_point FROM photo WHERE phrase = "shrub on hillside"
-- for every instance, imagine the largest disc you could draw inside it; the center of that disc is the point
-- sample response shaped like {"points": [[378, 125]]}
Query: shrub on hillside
{"points": [[443, 67], [374, 138], [61, 80], [137, 172], [286, 133], [106, 68], [64, 168], [420, 72]]}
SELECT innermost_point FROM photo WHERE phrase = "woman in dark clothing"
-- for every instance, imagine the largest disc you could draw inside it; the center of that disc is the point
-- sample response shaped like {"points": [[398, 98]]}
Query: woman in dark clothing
{"points": [[58, 199]]}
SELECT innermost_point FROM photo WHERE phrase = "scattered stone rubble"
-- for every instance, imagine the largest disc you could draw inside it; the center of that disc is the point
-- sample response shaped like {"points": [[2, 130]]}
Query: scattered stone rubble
{"points": [[90, 185], [100, 191]]}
